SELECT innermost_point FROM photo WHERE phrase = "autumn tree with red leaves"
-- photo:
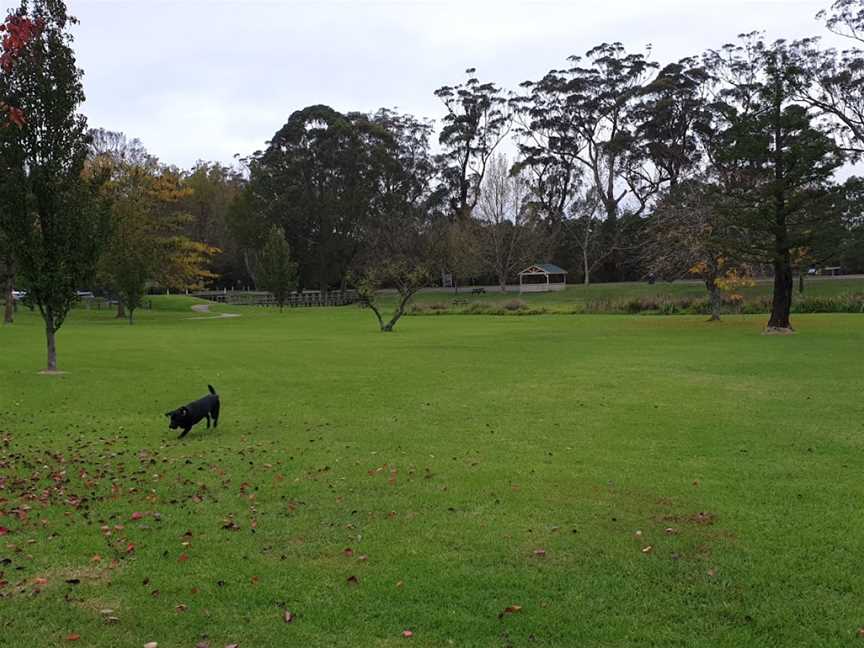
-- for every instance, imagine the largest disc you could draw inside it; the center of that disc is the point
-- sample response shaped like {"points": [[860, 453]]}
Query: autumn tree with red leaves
{"points": [[16, 32], [50, 212]]}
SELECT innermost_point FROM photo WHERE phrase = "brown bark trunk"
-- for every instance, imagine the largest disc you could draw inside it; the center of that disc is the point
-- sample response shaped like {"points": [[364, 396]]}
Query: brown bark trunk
{"points": [[121, 310], [781, 304], [9, 311], [801, 281], [714, 297], [50, 336]]}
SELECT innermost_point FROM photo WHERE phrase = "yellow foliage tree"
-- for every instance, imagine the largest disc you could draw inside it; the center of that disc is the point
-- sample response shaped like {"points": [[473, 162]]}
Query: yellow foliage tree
{"points": [[148, 245]]}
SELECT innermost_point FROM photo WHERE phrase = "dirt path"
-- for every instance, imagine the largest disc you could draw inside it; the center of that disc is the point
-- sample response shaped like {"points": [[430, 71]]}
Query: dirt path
{"points": [[205, 308]]}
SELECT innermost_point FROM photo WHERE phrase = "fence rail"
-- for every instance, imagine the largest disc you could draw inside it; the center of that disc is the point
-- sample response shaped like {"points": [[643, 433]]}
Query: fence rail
{"points": [[296, 300]]}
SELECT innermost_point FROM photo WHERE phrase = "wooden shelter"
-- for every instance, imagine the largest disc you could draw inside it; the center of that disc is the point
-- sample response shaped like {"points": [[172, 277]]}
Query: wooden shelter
{"points": [[542, 277]]}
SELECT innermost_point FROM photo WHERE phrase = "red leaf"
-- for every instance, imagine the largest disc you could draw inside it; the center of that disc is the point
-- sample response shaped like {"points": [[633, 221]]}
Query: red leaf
{"points": [[137, 515], [407, 634], [348, 552], [510, 609], [73, 637], [16, 117], [130, 548], [540, 553], [183, 558], [3, 531]]}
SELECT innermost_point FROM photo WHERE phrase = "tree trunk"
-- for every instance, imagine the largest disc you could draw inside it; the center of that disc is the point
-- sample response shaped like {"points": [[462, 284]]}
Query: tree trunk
{"points": [[400, 310], [121, 311], [781, 304], [9, 312], [586, 277], [131, 312], [801, 281], [50, 334], [714, 297]]}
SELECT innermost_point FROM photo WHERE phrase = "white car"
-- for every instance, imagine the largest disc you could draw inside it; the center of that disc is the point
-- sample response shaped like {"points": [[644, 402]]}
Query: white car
{"points": [[19, 294]]}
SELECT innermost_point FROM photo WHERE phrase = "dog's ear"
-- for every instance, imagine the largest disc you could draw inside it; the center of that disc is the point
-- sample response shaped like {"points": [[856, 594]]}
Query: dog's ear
{"points": [[184, 411]]}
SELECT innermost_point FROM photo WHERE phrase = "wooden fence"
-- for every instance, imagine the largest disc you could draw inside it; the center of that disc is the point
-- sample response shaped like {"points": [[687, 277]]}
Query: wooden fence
{"points": [[295, 300]]}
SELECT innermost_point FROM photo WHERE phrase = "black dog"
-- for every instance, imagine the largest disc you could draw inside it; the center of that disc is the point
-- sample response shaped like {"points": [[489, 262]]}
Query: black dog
{"points": [[188, 415]]}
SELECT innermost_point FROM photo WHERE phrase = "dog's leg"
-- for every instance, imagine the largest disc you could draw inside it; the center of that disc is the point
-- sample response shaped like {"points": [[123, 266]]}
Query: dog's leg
{"points": [[216, 415], [208, 421], [184, 433]]}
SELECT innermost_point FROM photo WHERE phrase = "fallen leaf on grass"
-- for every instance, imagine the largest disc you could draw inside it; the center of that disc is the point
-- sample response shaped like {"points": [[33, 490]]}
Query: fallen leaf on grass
{"points": [[540, 553], [232, 646], [510, 609], [400, 583], [861, 632], [288, 616], [712, 572], [407, 634], [41, 581], [73, 637], [647, 550], [152, 644], [202, 644], [73, 581], [353, 580], [137, 515], [182, 607], [363, 558], [3, 531], [348, 552]]}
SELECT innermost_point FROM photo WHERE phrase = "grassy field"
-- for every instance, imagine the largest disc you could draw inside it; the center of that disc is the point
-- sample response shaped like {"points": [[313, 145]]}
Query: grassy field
{"points": [[477, 481], [575, 297]]}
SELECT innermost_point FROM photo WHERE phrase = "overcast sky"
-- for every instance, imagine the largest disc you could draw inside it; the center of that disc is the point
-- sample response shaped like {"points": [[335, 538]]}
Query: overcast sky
{"points": [[206, 79]]}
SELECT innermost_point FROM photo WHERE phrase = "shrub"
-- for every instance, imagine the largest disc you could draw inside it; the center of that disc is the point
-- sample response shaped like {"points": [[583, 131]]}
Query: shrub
{"points": [[515, 305]]}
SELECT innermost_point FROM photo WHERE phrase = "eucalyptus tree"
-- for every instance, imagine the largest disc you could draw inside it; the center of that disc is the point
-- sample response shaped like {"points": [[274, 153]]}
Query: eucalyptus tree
{"points": [[476, 122]]}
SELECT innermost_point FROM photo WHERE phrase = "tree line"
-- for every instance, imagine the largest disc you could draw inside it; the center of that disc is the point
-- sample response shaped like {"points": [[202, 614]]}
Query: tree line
{"points": [[719, 166]]}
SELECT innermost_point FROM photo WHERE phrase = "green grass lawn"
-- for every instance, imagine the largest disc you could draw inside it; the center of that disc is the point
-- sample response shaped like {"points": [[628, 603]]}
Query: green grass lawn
{"points": [[625, 481]]}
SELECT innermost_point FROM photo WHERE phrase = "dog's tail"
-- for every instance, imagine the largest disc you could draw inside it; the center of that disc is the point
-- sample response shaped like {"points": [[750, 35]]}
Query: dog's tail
{"points": [[212, 391]]}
